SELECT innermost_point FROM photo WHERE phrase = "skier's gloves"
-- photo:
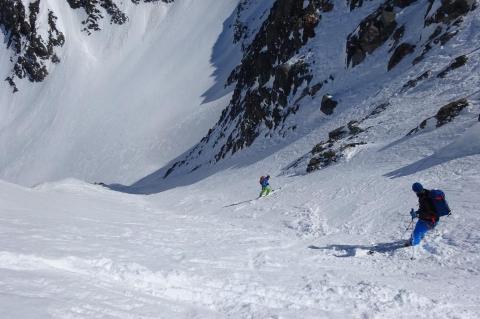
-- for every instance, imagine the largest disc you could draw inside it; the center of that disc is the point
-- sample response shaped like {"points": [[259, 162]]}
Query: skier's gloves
{"points": [[413, 213]]}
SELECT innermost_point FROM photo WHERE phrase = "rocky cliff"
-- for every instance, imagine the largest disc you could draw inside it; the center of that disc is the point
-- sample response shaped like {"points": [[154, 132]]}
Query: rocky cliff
{"points": [[34, 37], [279, 74]]}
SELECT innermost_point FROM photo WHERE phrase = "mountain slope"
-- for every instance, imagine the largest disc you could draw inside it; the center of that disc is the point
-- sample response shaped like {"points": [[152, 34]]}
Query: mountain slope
{"points": [[363, 54], [208, 250], [382, 103], [126, 98], [111, 109]]}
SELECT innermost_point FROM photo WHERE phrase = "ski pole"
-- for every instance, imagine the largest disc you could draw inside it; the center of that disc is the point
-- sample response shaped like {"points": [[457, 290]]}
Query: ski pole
{"points": [[408, 227]]}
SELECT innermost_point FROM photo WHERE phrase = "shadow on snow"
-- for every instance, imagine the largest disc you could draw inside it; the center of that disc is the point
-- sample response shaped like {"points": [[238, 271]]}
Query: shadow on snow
{"points": [[224, 59], [350, 250], [467, 145]]}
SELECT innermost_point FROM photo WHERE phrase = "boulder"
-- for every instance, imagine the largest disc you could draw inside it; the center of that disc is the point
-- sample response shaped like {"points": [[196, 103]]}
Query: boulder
{"points": [[338, 133], [328, 104], [448, 112]]}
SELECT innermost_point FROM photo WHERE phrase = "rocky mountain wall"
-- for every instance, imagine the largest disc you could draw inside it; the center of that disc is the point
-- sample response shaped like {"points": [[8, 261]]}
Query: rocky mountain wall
{"points": [[32, 52], [277, 74]]}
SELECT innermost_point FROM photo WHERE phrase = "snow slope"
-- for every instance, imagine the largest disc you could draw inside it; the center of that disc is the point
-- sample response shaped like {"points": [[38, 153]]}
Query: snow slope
{"points": [[201, 245], [266, 115], [112, 109], [207, 250]]}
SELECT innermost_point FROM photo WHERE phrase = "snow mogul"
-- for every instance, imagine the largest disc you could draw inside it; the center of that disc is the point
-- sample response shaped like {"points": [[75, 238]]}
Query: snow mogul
{"points": [[431, 206]]}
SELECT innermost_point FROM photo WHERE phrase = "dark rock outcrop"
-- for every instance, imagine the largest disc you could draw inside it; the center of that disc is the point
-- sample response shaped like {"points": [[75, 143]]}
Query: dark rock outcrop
{"points": [[450, 10], [445, 115], [351, 129], [31, 51], [413, 83], [381, 25], [94, 13], [322, 158], [334, 149], [438, 37], [377, 110], [340, 141], [326, 154], [450, 111], [93, 10], [458, 62], [372, 33], [402, 50], [447, 17]]}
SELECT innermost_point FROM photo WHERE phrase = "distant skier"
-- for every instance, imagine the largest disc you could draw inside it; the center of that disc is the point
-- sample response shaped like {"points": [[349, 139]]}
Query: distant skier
{"points": [[431, 206], [264, 182]]}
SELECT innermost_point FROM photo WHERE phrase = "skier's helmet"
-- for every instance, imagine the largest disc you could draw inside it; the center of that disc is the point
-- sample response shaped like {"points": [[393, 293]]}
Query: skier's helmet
{"points": [[417, 187]]}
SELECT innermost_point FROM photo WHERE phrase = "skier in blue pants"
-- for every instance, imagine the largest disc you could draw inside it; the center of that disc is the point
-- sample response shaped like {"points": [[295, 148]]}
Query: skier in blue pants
{"points": [[427, 217], [421, 229]]}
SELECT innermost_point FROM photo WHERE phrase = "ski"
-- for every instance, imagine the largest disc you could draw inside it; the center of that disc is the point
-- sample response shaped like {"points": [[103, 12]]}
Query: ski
{"points": [[254, 199]]}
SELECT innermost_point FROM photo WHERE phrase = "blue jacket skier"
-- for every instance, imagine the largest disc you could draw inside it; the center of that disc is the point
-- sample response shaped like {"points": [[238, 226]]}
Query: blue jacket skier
{"points": [[264, 182], [426, 213]]}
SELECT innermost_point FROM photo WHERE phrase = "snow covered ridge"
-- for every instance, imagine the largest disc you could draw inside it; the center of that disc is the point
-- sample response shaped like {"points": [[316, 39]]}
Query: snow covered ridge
{"points": [[307, 49], [31, 31]]}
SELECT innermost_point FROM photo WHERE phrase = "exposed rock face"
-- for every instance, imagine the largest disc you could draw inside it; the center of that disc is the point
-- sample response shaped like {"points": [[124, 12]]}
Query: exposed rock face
{"points": [[93, 9], [458, 62], [266, 78], [445, 115], [379, 26], [378, 110], [413, 83], [450, 10], [448, 112], [275, 73], [340, 141], [351, 129], [274, 76], [32, 52], [402, 50], [447, 17], [372, 32]]}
